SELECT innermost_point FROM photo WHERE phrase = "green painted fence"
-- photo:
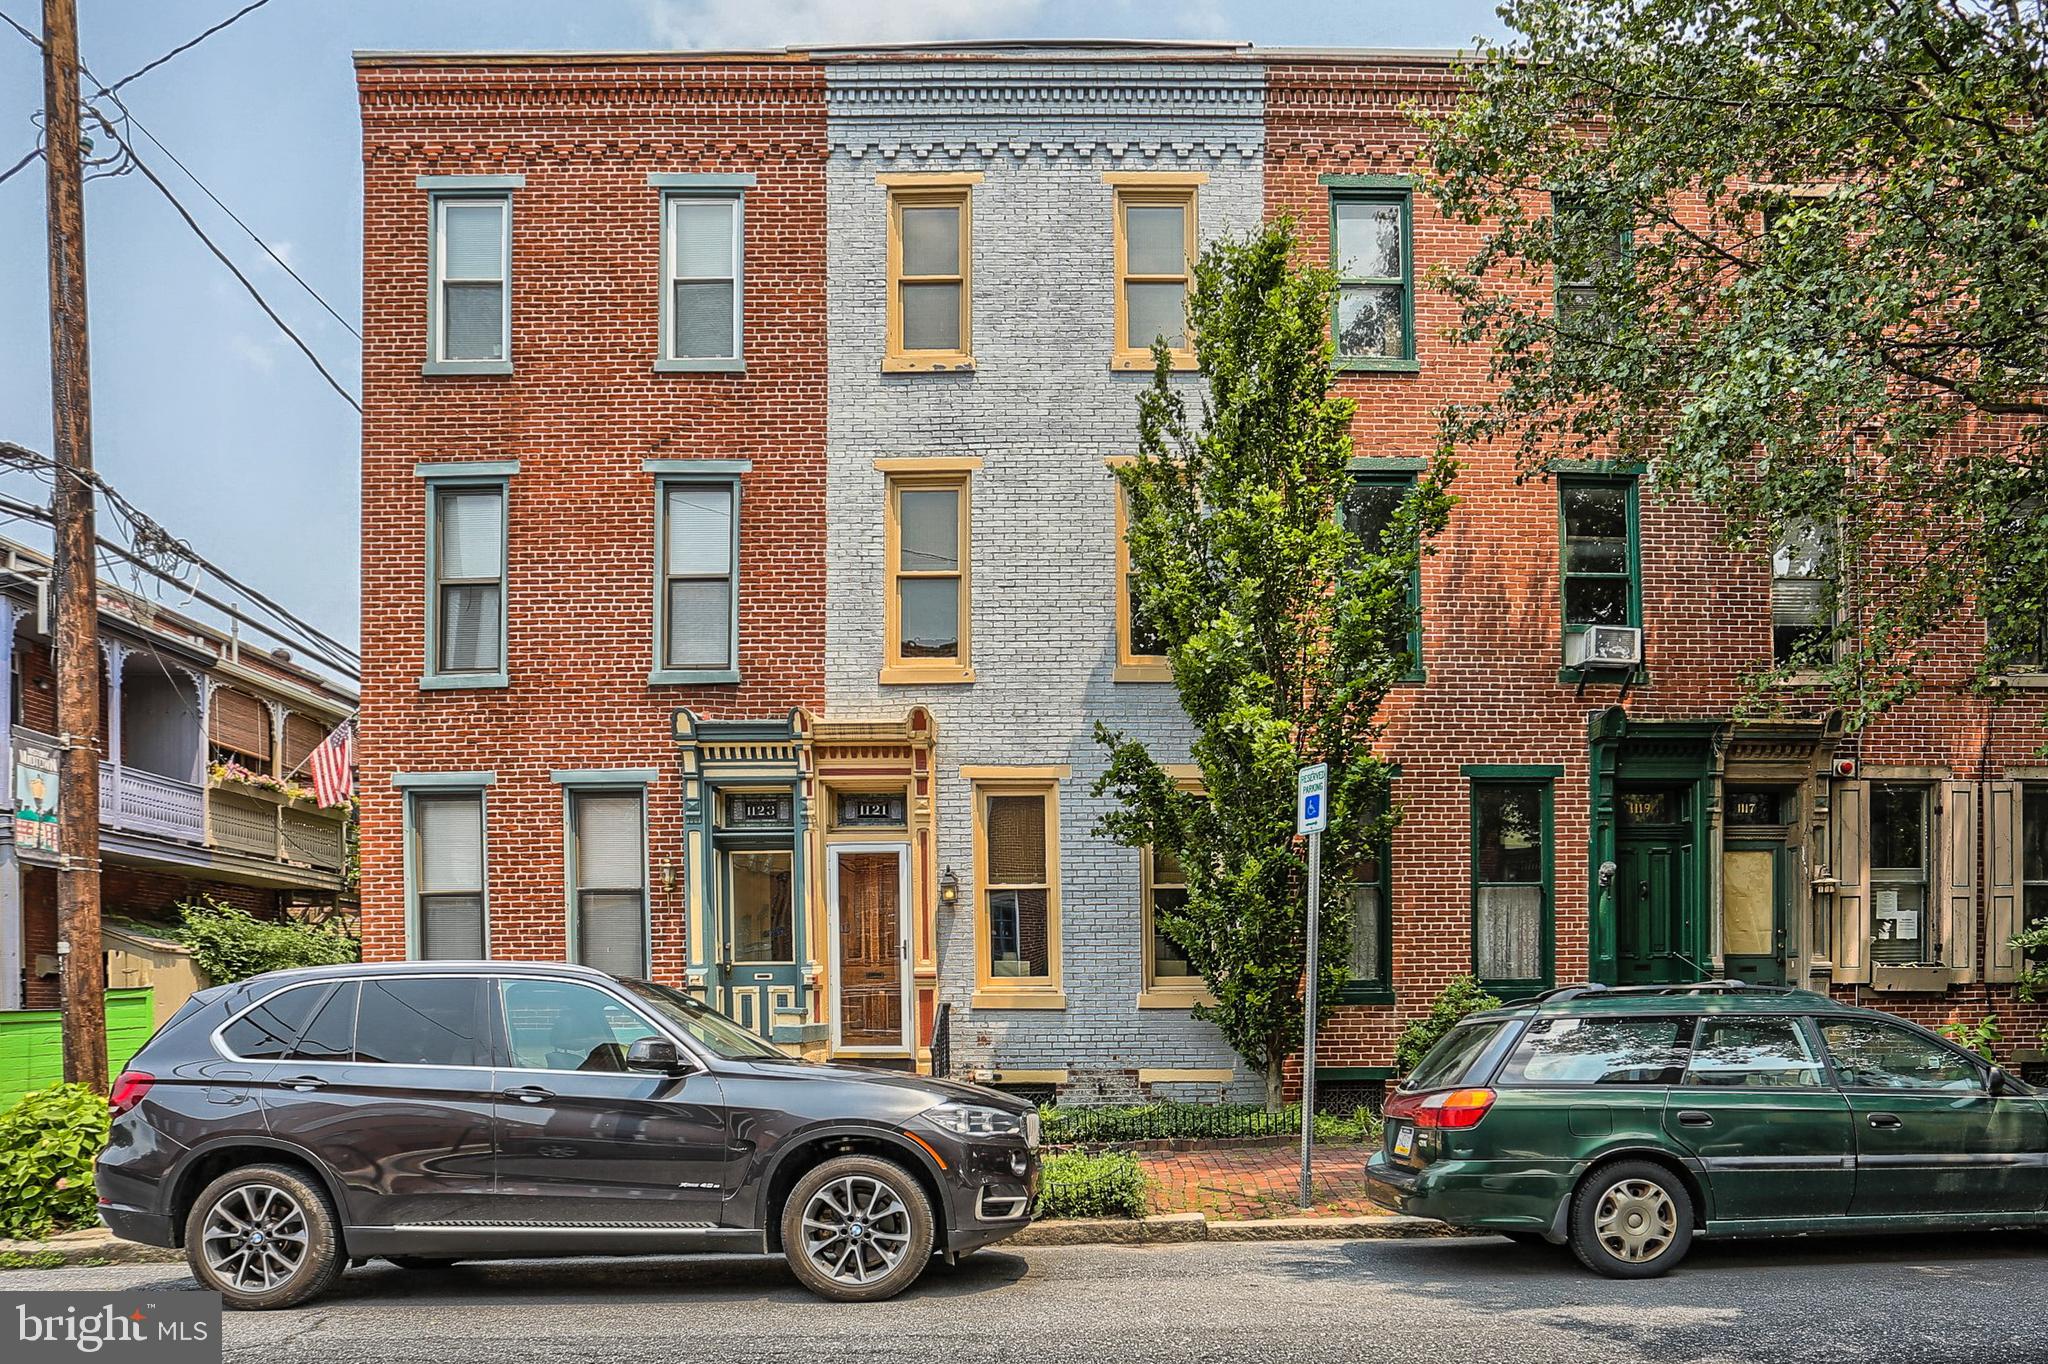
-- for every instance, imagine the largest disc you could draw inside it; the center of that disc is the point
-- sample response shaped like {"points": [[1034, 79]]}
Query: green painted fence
{"points": [[32, 1042]]}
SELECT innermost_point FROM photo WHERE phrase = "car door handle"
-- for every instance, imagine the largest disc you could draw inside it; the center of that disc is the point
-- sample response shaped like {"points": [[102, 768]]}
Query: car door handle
{"points": [[1885, 1120], [529, 1094], [1693, 1117], [304, 1083]]}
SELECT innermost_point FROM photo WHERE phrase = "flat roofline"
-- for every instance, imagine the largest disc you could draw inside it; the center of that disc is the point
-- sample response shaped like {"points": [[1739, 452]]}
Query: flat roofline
{"points": [[1076, 49]]}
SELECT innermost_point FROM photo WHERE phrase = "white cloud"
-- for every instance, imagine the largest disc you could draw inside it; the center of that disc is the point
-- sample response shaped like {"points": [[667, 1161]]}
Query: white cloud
{"points": [[796, 23]]}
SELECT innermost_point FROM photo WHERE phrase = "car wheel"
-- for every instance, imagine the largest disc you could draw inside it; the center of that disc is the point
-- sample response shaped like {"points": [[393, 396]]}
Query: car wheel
{"points": [[1631, 1220], [857, 1229], [263, 1236], [418, 1261]]}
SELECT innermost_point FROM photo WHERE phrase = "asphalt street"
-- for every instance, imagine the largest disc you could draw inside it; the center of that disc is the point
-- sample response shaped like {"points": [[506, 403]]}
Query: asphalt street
{"points": [[1980, 1299]]}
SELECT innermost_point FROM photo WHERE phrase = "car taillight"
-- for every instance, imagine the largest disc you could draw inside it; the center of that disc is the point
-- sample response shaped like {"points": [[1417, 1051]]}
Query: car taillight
{"points": [[129, 1089], [1401, 1106], [1454, 1110]]}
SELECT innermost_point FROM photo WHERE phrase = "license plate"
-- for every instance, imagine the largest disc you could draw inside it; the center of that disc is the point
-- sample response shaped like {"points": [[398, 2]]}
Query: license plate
{"points": [[1404, 1142]]}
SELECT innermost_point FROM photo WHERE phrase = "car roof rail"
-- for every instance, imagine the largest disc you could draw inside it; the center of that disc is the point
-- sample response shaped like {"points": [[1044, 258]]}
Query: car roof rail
{"points": [[1587, 989], [1565, 992]]}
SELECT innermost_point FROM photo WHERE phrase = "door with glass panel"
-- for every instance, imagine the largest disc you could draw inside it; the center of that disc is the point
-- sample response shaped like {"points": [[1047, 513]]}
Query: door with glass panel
{"points": [[759, 961], [608, 880], [869, 893]]}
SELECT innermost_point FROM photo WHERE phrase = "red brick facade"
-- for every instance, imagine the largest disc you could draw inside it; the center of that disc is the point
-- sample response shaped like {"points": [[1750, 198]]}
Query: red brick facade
{"points": [[580, 413]]}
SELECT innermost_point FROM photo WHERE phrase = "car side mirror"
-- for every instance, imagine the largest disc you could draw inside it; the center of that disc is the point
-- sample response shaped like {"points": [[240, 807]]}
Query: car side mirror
{"points": [[1998, 1082], [656, 1056]]}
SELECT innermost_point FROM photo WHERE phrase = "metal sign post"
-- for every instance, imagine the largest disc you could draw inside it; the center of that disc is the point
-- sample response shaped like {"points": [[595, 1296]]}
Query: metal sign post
{"points": [[1311, 817]]}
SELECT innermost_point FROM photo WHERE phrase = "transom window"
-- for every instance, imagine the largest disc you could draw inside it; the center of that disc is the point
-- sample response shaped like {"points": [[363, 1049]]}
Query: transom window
{"points": [[448, 876], [1899, 874], [1369, 241], [472, 251], [1155, 253], [931, 230], [1599, 552], [701, 294]]}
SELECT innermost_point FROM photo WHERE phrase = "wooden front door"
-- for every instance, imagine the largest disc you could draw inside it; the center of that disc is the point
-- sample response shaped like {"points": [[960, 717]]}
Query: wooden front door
{"points": [[868, 1011]]}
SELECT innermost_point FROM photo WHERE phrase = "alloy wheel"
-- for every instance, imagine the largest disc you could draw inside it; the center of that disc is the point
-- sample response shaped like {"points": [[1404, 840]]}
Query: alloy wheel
{"points": [[856, 1230], [255, 1238], [1635, 1220]]}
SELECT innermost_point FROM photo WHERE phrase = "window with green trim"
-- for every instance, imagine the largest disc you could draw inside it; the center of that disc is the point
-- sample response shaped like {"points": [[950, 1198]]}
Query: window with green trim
{"points": [[1372, 932], [1370, 236], [1600, 553], [1512, 909], [471, 322], [445, 854], [1583, 250], [1370, 507]]}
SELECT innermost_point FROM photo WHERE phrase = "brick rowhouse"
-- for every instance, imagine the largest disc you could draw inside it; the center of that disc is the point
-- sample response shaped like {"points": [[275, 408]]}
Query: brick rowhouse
{"points": [[1648, 833]]}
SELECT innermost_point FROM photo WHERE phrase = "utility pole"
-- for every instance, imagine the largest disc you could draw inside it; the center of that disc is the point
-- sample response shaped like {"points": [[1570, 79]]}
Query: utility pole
{"points": [[74, 570]]}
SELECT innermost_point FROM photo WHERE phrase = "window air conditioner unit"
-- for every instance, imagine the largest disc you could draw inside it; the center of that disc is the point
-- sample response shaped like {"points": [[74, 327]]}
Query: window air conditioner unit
{"points": [[1604, 646]]}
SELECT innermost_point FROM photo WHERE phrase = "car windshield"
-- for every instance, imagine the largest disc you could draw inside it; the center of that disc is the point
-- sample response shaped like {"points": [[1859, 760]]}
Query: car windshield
{"points": [[707, 1027], [1450, 1060]]}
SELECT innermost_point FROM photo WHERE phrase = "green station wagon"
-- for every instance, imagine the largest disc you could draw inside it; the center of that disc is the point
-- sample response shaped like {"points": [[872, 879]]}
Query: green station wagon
{"points": [[1626, 1121]]}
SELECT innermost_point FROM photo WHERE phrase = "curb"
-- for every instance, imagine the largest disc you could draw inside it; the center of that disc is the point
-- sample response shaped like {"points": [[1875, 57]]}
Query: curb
{"points": [[1183, 1227], [94, 1244]]}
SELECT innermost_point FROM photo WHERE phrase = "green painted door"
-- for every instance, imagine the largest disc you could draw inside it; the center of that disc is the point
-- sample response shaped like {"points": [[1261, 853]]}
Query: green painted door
{"points": [[1756, 890], [1652, 907], [760, 968]]}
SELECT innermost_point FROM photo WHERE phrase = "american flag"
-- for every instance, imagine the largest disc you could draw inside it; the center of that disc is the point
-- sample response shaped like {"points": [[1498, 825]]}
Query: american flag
{"points": [[333, 765]]}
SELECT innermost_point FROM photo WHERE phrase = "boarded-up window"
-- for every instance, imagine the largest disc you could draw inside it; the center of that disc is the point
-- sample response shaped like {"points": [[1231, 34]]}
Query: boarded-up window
{"points": [[239, 726]]}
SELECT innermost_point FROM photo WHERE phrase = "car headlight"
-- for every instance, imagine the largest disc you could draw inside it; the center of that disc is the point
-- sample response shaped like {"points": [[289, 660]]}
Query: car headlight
{"points": [[976, 1120]]}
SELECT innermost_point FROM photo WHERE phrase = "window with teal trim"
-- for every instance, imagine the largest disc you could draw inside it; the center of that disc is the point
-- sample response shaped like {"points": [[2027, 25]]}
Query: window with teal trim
{"points": [[608, 879], [1370, 249], [1600, 552], [699, 599], [1370, 509], [472, 320], [446, 832], [1512, 909]]}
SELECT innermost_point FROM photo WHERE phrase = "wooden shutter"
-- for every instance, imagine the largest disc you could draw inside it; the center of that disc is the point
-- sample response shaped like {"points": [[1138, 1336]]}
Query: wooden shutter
{"points": [[302, 734], [2003, 886], [1956, 878], [238, 721], [1852, 882]]}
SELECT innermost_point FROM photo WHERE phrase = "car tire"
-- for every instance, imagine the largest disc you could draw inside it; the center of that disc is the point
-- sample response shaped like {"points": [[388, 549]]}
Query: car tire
{"points": [[1631, 1220], [264, 1237], [419, 1261], [858, 1229]]}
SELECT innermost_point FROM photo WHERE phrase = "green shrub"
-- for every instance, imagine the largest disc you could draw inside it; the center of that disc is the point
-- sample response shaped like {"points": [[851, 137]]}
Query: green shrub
{"points": [[230, 945], [48, 1143], [1076, 1184], [1113, 1125], [1461, 997]]}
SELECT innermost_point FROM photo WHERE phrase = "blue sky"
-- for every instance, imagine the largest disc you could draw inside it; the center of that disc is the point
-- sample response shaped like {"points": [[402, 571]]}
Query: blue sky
{"points": [[204, 414]]}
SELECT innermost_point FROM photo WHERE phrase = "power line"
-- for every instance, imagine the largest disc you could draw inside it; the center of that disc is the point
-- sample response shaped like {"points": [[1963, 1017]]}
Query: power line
{"points": [[182, 47], [222, 257], [35, 153]]}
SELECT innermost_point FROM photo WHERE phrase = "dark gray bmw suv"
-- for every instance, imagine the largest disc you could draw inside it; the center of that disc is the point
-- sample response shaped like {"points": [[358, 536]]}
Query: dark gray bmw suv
{"points": [[426, 1113]]}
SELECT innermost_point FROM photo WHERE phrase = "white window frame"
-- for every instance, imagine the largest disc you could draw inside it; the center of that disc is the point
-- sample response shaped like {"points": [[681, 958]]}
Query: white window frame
{"points": [[676, 189], [443, 191], [604, 782], [416, 786], [669, 473], [495, 476]]}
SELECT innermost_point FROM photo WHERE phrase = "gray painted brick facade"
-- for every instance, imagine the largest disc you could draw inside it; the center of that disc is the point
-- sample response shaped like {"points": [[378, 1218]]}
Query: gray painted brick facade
{"points": [[1044, 411]]}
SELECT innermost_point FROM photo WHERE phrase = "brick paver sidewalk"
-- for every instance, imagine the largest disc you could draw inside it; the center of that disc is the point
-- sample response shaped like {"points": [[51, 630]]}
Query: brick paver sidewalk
{"points": [[1258, 1181]]}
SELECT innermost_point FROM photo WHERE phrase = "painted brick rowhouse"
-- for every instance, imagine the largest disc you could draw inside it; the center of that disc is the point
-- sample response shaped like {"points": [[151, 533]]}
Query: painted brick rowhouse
{"points": [[580, 433]]}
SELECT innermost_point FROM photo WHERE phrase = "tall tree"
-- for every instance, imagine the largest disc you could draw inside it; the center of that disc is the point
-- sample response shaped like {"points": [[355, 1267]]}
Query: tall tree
{"points": [[1285, 625], [1801, 268]]}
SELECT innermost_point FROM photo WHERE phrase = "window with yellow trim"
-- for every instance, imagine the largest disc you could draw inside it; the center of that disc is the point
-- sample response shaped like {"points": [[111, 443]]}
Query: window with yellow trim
{"points": [[1166, 888], [926, 544], [1140, 652], [930, 323], [1155, 253], [1016, 857]]}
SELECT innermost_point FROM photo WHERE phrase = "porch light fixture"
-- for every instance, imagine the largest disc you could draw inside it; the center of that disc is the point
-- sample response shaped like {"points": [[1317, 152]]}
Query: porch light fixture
{"points": [[949, 889]]}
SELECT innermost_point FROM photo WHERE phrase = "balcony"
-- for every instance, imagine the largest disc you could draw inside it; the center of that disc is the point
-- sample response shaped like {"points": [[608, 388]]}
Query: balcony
{"points": [[145, 803], [266, 825]]}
